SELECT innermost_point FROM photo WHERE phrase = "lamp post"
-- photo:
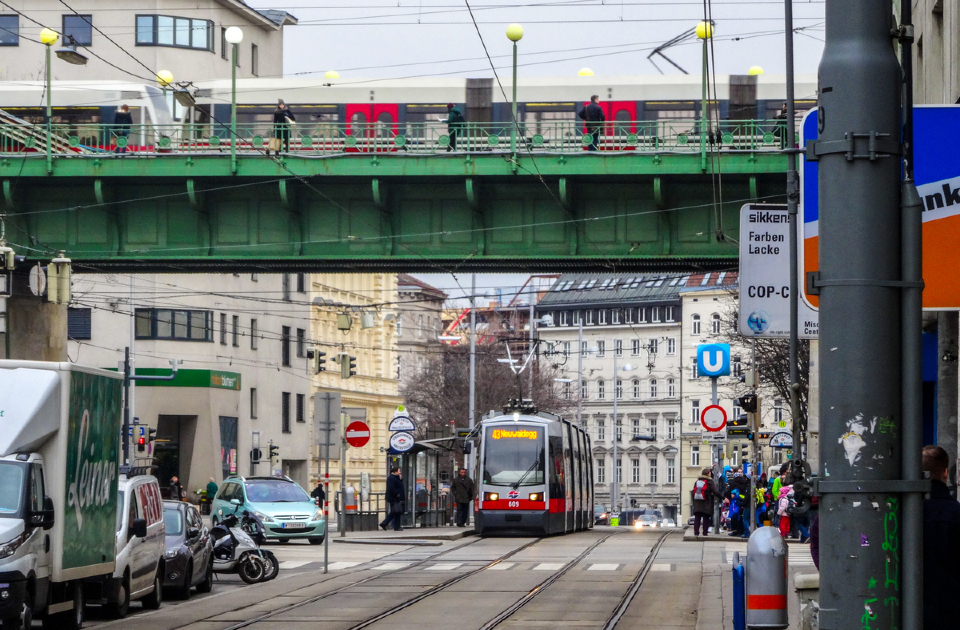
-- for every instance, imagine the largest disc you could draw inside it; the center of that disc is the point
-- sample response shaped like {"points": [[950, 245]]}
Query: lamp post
{"points": [[233, 36], [704, 33], [49, 38], [614, 494], [514, 34]]}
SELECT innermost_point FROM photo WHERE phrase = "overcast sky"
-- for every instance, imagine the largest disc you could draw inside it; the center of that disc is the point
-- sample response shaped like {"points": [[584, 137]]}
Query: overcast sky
{"points": [[398, 38]]}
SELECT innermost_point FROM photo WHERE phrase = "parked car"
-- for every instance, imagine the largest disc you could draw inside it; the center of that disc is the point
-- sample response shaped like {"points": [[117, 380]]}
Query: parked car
{"points": [[189, 555], [668, 522], [140, 546], [285, 509], [600, 515]]}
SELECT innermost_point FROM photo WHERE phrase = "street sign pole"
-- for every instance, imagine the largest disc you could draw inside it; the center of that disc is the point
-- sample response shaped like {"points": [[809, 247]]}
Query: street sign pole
{"points": [[717, 468], [326, 411]]}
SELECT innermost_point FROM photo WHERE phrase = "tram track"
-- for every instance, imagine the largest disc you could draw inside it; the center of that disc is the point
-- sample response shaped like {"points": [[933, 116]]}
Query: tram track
{"points": [[635, 585]]}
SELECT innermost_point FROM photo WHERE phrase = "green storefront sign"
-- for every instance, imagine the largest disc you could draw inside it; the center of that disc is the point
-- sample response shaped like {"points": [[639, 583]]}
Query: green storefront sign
{"points": [[215, 379], [93, 449]]}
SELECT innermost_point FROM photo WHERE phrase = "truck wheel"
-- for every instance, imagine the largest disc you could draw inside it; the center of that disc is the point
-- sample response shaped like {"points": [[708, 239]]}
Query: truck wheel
{"points": [[122, 607], [72, 619], [24, 621], [207, 585], [154, 599]]}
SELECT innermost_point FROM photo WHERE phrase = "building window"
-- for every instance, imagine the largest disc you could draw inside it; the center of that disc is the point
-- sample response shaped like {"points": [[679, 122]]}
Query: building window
{"points": [[159, 323], [619, 424], [285, 411], [601, 348], [668, 314], [618, 347], [652, 428], [253, 334], [778, 410], [255, 69], [590, 317], [285, 346], [601, 389], [636, 470], [583, 348], [636, 428], [694, 411], [285, 286], [618, 389], [636, 388], [301, 277], [78, 323], [254, 278], [178, 32], [671, 346], [635, 347], [654, 346], [653, 388], [615, 316], [223, 329], [236, 331], [601, 471], [9, 30], [301, 342], [655, 315], [601, 429], [566, 390], [583, 388], [695, 325], [619, 471], [79, 27], [694, 369], [653, 471], [694, 455], [602, 316], [671, 429], [420, 326], [671, 470], [301, 408], [223, 43], [736, 366], [630, 315], [671, 388], [577, 317], [563, 318], [715, 324], [253, 403], [566, 350]]}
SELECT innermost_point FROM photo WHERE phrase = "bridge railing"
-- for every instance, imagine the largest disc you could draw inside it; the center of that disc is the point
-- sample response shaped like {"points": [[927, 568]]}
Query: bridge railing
{"points": [[320, 139]]}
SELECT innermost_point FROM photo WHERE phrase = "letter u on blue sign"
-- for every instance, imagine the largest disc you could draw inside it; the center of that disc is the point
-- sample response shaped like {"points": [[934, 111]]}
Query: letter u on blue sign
{"points": [[713, 359]]}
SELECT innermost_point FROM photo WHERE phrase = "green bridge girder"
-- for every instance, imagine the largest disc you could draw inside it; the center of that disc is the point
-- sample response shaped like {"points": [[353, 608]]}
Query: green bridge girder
{"points": [[386, 212]]}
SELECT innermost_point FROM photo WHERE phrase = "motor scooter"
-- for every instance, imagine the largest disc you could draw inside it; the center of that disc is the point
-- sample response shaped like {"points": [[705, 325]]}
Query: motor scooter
{"points": [[251, 524], [234, 551]]}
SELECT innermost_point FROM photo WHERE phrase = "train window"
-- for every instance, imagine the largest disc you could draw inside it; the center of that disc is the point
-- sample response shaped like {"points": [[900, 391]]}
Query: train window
{"points": [[513, 455], [384, 125], [9, 30], [557, 480]]}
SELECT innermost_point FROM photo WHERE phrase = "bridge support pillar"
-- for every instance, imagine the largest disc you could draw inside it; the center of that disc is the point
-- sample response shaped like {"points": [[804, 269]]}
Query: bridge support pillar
{"points": [[36, 329]]}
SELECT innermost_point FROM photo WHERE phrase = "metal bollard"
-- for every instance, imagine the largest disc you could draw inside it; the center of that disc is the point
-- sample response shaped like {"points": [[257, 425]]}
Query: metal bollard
{"points": [[766, 579], [739, 620]]}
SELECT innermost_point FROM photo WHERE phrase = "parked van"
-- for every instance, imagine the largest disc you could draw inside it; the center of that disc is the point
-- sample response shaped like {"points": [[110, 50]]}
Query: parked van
{"points": [[141, 544]]}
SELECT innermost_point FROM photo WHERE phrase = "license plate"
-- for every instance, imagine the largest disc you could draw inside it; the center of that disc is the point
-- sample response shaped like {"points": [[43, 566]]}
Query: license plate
{"points": [[293, 525]]}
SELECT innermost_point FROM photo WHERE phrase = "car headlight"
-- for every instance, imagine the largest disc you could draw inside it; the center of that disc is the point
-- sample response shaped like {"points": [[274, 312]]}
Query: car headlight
{"points": [[9, 548], [318, 516], [171, 554], [638, 525], [263, 517]]}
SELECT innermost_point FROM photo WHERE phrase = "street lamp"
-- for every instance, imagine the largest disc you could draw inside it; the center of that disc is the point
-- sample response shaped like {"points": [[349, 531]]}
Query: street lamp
{"points": [[614, 495], [69, 53], [233, 36], [704, 32], [49, 38], [514, 34]]}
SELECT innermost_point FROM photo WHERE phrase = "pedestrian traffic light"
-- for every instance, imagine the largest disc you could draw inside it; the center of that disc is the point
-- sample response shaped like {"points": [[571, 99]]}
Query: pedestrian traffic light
{"points": [[274, 451], [255, 455], [141, 444], [748, 403], [151, 436]]}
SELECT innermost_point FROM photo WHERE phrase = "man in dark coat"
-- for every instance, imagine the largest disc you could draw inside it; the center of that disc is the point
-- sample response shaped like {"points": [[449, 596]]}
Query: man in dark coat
{"points": [[463, 492], [319, 494], [593, 115], [122, 121], [395, 499], [941, 545], [176, 489], [455, 123], [703, 493]]}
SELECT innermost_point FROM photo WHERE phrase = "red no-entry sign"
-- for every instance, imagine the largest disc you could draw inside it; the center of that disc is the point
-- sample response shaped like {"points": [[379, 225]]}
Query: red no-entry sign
{"points": [[358, 434]]}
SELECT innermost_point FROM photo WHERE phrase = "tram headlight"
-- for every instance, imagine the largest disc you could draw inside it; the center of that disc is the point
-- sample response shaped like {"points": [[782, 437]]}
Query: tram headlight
{"points": [[490, 496], [536, 496]]}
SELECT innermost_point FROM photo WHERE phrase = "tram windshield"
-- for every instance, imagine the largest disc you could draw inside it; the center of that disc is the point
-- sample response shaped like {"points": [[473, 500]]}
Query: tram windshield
{"points": [[513, 455]]}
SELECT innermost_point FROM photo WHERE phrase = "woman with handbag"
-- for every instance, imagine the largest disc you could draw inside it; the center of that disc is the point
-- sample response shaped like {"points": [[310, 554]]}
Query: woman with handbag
{"points": [[282, 119]]}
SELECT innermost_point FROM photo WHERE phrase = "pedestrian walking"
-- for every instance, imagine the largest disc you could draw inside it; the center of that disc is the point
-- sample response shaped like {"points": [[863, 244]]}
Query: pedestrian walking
{"points": [[593, 116], [176, 489], [395, 500], [941, 545], [318, 494], [703, 494], [121, 127], [783, 503], [463, 492], [455, 124], [282, 119]]}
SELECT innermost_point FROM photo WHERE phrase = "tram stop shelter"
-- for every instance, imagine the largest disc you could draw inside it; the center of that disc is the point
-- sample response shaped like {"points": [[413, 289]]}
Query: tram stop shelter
{"points": [[427, 502]]}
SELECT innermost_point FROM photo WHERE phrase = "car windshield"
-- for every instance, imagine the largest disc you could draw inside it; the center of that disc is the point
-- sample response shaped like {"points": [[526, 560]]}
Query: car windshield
{"points": [[598, 509], [275, 492], [646, 518], [173, 522], [513, 454], [11, 488]]}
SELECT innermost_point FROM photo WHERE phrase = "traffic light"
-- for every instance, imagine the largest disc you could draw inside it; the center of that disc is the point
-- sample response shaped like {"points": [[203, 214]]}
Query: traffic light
{"points": [[141, 444], [255, 455], [151, 436], [318, 362], [274, 451], [739, 421], [348, 365], [748, 403]]}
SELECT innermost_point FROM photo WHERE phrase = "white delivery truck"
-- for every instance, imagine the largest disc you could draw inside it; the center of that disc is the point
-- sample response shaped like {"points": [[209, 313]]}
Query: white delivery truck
{"points": [[59, 468]]}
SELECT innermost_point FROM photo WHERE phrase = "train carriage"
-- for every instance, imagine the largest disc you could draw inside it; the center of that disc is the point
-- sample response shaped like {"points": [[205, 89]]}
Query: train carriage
{"points": [[535, 475]]}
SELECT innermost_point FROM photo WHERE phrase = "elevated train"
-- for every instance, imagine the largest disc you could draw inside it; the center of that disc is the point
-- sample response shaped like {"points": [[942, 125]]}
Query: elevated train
{"points": [[535, 475]]}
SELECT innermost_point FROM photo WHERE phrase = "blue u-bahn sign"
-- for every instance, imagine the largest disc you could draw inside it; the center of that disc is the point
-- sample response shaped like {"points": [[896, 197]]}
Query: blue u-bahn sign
{"points": [[713, 359]]}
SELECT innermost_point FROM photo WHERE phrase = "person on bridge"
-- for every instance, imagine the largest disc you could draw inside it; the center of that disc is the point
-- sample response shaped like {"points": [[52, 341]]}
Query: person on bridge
{"points": [[455, 123], [122, 121], [941, 545], [463, 493], [395, 499], [593, 115], [282, 119], [703, 494]]}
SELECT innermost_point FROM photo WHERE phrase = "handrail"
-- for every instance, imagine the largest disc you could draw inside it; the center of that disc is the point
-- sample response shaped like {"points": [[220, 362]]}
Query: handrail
{"points": [[323, 139]]}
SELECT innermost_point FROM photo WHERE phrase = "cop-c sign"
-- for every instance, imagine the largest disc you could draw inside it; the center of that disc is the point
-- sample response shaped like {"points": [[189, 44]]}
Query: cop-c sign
{"points": [[713, 359]]}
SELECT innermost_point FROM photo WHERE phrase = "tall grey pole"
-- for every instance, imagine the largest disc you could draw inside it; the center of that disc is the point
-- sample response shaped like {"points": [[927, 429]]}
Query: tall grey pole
{"points": [[860, 319], [793, 199], [473, 362], [715, 453], [326, 483], [614, 494], [342, 523], [530, 362], [580, 374]]}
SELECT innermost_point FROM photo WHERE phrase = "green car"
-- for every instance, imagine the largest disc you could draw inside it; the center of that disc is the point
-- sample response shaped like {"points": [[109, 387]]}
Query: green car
{"points": [[286, 510]]}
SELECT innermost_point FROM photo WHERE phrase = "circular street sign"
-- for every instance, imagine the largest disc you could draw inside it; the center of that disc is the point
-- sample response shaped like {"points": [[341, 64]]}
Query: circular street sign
{"points": [[358, 434], [401, 442], [782, 424], [713, 418]]}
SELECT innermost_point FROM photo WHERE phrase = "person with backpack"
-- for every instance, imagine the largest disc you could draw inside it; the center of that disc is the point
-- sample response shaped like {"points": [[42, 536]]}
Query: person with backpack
{"points": [[455, 123], [593, 116], [783, 505], [703, 494]]}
